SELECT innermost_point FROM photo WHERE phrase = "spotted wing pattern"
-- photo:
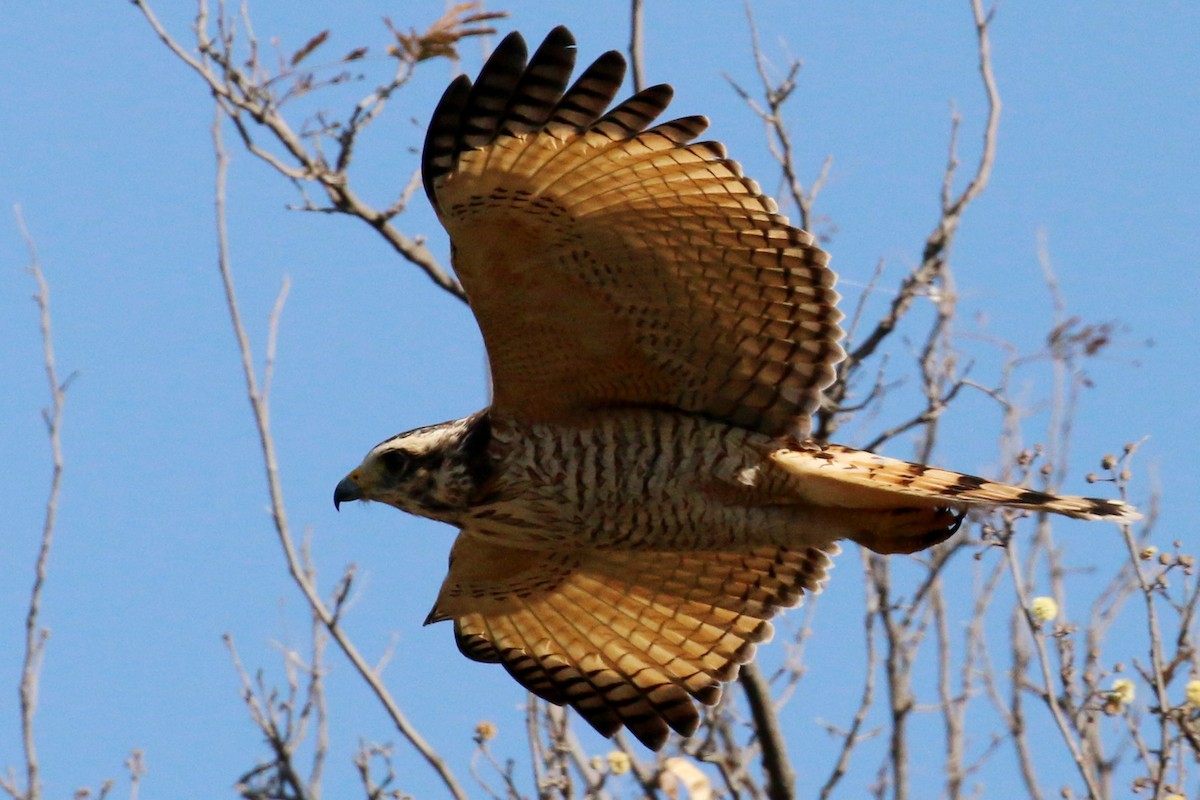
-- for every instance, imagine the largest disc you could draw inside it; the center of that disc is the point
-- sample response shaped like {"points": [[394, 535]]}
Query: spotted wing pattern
{"points": [[624, 638], [614, 264]]}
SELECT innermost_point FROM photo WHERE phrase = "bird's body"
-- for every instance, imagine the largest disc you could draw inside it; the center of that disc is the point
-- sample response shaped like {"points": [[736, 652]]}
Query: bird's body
{"points": [[636, 479], [642, 494]]}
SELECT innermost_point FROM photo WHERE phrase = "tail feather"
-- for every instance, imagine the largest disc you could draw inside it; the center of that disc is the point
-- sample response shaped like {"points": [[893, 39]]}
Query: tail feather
{"points": [[836, 475]]}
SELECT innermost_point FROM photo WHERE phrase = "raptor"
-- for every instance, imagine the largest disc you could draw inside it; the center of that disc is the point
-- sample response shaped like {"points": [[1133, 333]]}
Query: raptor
{"points": [[642, 494]]}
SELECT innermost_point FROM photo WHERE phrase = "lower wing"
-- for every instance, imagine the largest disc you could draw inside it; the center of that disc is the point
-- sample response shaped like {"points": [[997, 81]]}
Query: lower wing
{"points": [[624, 637]]}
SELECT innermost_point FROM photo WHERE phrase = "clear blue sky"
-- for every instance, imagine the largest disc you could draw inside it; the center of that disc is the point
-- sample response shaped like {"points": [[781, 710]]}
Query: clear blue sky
{"points": [[164, 543]]}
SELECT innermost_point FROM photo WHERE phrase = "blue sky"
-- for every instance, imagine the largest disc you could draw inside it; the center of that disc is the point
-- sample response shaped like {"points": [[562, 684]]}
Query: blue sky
{"points": [[164, 543]]}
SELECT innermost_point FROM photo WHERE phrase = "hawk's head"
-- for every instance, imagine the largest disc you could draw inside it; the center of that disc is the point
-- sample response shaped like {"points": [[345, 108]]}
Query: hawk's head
{"points": [[433, 471]]}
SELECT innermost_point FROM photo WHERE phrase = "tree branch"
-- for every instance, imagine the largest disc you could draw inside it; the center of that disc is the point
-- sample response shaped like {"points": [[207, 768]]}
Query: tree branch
{"points": [[246, 91], [636, 67], [938, 243], [781, 780], [35, 635], [260, 407]]}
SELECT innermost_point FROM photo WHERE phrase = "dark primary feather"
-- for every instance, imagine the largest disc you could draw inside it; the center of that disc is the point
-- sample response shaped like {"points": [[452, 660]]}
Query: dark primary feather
{"points": [[730, 310]]}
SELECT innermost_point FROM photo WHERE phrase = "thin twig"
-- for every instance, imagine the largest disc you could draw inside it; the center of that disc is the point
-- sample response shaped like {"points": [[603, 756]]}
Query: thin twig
{"points": [[1157, 659], [35, 635], [260, 408], [1049, 695], [951, 706], [901, 650], [939, 241], [246, 92], [852, 737], [779, 137]]}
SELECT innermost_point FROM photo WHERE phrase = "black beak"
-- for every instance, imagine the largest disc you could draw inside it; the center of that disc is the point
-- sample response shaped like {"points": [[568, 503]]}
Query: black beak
{"points": [[346, 491]]}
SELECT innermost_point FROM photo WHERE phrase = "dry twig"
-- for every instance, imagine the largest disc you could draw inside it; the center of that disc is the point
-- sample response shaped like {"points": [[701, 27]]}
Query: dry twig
{"points": [[35, 634], [300, 572], [250, 97]]}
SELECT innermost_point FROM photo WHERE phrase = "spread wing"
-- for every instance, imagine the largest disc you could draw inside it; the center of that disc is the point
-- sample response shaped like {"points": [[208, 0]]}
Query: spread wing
{"points": [[624, 638], [612, 264]]}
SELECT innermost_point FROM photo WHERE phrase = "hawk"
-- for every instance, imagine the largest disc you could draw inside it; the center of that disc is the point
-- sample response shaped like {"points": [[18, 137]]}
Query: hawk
{"points": [[642, 495]]}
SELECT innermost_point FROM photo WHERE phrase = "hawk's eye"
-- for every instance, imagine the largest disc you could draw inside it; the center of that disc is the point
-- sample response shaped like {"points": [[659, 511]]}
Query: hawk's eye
{"points": [[397, 463]]}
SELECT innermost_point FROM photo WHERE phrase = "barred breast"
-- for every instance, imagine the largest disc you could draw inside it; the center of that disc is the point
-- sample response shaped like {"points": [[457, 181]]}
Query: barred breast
{"points": [[633, 479]]}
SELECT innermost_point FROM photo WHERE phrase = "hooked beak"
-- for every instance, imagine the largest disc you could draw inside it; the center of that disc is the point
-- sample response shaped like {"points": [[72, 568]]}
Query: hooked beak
{"points": [[347, 490]]}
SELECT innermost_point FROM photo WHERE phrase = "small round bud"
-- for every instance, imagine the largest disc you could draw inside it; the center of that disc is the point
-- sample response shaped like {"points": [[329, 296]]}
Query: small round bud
{"points": [[1193, 692], [1122, 691], [485, 731], [1044, 609], [1108, 462], [1164, 558], [1091, 477], [1148, 552], [618, 762]]}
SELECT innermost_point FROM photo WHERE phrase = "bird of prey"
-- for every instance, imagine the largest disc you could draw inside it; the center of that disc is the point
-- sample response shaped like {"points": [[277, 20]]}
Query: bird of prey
{"points": [[642, 495]]}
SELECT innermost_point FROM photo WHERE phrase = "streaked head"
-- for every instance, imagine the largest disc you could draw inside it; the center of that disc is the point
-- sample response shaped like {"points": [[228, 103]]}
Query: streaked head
{"points": [[431, 471]]}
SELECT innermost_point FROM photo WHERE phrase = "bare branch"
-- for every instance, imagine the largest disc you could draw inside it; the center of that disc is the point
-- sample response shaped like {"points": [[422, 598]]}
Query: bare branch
{"points": [[781, 780], [296, 568], [951, 706], [853, 736], [635, 45], [779, 137], [247, 95], [35, 634], [1049, 695], [938, 244]]}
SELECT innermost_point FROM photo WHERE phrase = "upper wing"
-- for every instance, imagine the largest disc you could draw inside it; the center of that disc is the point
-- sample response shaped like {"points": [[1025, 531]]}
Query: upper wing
{"points": [[611, 264], [625, 638]]}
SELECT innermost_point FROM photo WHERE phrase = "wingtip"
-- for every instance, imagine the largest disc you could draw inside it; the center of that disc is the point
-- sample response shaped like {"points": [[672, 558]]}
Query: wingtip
{"points": [[512, 41], [559, 36], [1127, 514]]}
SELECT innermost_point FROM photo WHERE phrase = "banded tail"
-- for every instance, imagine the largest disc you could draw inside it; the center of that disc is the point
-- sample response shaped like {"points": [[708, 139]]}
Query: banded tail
{"points": [[836, 475]]}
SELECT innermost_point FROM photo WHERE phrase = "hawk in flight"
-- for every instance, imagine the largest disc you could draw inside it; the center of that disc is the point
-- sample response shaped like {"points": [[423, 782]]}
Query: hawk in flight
{"points": [[642, 494]]}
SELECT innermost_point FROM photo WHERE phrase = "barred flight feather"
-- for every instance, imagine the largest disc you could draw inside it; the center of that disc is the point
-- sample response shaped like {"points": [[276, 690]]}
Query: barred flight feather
{"points": [[608, 197], [626, 638]]}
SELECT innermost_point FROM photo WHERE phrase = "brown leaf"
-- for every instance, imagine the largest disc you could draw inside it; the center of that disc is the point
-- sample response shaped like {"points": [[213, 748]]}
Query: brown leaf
{"points": [[355, 54], [459, 22], [312, 44]]}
